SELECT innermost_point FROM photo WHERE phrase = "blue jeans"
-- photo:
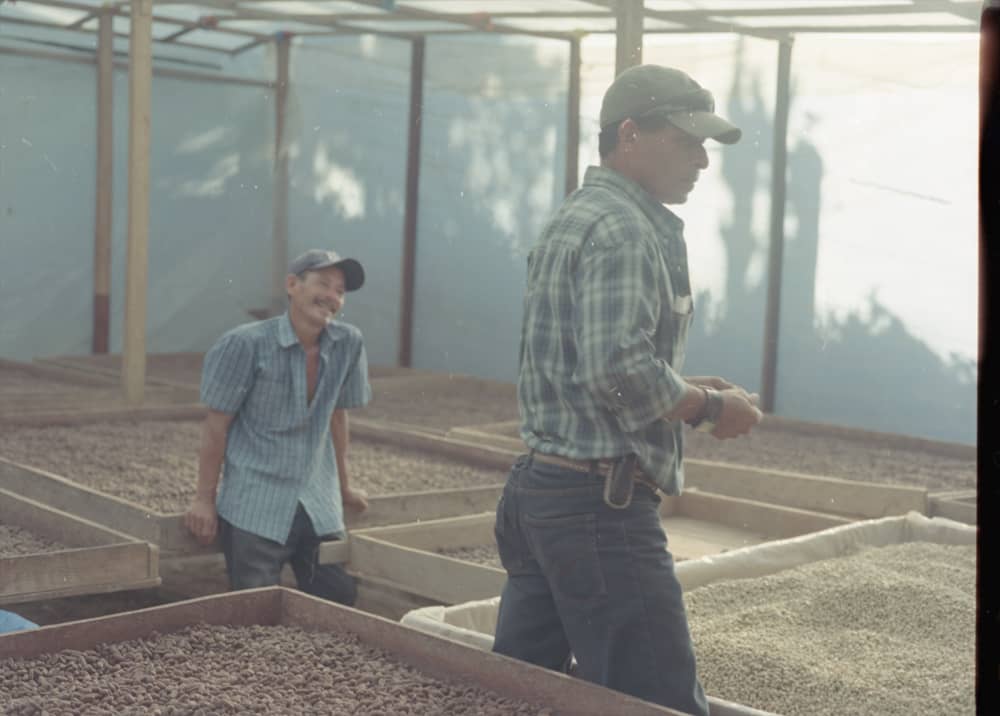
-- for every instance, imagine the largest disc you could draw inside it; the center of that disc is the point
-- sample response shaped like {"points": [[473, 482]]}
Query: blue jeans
{"points": [[253, 561], [593, 582]]}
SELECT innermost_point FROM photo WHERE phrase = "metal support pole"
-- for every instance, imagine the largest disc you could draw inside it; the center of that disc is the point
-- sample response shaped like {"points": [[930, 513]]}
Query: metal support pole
{"points": [[573, 118], [140, 79], [412, 196], [279, 230], [628, 34], [777, 247], [102, 214]]}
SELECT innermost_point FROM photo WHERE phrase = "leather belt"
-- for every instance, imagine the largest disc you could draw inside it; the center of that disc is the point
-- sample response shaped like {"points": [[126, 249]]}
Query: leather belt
{"points": [[599, 467]]}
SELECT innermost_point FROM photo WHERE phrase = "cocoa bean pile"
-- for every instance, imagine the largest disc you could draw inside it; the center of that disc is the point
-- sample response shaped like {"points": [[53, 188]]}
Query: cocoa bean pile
{"points": [[155, 463], [480, 554], [440, 401], [888, 631], [16, 541], [214, 670]]}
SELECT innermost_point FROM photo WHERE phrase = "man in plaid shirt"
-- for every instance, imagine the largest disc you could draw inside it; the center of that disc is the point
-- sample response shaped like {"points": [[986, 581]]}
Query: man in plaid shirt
{"points": [[603, 404]]}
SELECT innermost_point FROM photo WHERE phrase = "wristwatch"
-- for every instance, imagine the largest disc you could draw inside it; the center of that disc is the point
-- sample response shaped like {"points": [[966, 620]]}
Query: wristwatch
{"points": [[710, 413]]}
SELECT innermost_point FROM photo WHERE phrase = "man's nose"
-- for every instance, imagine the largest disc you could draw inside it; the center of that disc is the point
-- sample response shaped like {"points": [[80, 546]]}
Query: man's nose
{"points": [[702, 157]]}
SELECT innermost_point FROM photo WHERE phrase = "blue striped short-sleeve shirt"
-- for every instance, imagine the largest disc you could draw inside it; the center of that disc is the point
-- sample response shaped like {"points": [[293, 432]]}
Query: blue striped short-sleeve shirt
{"points": [[279, 450]]}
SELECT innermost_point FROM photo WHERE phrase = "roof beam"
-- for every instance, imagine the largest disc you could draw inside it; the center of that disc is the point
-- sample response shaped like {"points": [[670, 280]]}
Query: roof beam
{"points": [[967, 10], [695, 21], [828, 29], [483, 23]]}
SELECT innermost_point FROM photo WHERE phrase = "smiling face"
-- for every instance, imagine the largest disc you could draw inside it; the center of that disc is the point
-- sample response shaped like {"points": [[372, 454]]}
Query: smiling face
{"points": [[315, 297], [665, 161]]}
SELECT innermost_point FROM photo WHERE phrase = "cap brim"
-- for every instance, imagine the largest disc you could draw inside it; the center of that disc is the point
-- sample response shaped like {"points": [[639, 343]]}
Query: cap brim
{"points": [[354, 274], [706, 125]]}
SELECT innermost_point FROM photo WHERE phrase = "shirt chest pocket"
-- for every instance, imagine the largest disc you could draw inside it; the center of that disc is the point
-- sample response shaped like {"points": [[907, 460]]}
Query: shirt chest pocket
{"points": [[680, 314], [271, 403]]}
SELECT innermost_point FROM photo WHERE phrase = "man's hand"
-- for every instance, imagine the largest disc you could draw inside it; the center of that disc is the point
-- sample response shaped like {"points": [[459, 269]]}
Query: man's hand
{"points": [[709, 381], [202, 520], [739, 413], [353, 499]]}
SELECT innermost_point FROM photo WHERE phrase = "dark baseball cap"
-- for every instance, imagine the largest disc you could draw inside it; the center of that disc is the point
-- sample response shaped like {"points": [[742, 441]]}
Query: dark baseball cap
{"points": [[315, 259], [646, 90]]}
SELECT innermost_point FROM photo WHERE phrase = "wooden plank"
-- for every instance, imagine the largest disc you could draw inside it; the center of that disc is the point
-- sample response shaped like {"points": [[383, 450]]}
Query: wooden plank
{"points": [[628, 33], [688, 538], [465, 451], [54, 524], [110, 414], [960, 510], [411, 207], [140, 76], [427, 505], [572, 173], [480, 435], [54, 491], [765, 519], [94, 559], [443, 579], [883, 440], [158, 365], [279, 227], [54, 372], [335, 552], [108, 568], [463, 531], [103, 184], [808, 492]]}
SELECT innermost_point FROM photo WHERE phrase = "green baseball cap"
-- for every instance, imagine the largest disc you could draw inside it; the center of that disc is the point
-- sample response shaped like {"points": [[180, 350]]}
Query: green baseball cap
{"points": [[645, 90]]}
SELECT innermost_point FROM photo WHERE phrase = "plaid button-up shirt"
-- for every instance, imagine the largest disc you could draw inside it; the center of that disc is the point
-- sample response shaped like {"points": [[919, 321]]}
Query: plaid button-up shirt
{"points": [[279, 450], [606, 312]]}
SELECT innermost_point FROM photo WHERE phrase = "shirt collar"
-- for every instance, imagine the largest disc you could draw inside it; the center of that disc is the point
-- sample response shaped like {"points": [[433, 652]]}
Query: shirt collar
{"points": [[608, 178], [287, 337], [286, 334]]}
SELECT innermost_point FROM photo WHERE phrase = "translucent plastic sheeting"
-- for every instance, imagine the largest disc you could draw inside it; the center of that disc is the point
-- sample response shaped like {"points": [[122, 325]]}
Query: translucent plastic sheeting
{"points": [[879, 292], [47, 167], [492, 171], [347, 122], [211, 201]]}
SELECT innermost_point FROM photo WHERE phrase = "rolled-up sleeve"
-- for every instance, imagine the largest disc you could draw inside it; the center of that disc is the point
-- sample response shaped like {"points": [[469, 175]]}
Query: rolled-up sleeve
{"points": [[227, 373], [356, 392], [617, 284]]}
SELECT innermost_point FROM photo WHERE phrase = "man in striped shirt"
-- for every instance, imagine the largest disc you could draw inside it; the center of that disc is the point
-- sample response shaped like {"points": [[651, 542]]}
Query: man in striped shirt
{"points": [[603, 405], [277, 393]]}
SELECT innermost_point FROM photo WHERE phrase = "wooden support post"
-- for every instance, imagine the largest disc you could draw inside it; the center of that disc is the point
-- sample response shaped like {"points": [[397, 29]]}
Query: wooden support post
{"points": [[408, 292], [279, 252], [102, 215], [573, 118], [140, 76], [777, 248], [628, 34]]}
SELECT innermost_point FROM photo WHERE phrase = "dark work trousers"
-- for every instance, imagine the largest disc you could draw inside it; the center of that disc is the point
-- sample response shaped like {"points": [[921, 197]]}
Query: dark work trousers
{"points": [[595, 582], [253, 561]]}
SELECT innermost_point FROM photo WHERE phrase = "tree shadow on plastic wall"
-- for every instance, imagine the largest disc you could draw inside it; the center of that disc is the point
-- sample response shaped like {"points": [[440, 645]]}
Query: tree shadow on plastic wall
{"points": [[863, 369]]}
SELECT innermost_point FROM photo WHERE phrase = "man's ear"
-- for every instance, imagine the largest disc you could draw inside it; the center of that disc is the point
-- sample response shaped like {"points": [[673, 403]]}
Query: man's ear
{"points": [[628, 133], [290, 281]]}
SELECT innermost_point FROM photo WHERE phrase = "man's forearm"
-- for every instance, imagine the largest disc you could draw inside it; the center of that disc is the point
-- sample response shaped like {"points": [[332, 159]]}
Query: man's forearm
{"points": [[210, 457], [340, 433]]}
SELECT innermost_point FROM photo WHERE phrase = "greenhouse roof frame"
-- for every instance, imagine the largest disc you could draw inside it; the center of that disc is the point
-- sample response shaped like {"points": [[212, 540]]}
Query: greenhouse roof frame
{"points": [[235, 26], [231, 27]]}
